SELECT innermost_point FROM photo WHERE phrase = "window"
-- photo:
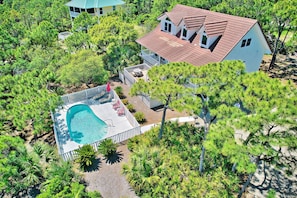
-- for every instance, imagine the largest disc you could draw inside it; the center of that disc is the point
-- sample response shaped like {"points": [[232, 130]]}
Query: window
{"points": [[243, 43], [248, 42], [82, 10], [76, 10], [113, 8], [100, 10], [91, 10], [167, 27], [204, 40], [185, 31], [71, 9]]}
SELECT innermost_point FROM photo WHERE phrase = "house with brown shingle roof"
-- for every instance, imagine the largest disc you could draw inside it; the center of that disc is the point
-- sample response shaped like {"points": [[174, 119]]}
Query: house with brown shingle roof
{"points": [[197, 36]]}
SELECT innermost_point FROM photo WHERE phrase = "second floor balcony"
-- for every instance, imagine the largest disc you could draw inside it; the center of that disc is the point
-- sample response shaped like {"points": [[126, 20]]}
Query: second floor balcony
{"points": [[152, 58]]}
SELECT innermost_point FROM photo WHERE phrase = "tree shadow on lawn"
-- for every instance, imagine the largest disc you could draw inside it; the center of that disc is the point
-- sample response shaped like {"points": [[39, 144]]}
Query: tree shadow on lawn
{"points": [[116, 157], [95, 166]]}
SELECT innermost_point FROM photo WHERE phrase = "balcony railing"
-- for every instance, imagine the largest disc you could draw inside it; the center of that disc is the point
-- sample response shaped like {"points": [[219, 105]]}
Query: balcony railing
{"points": [[149, 59], [152, 59], [75, 14]]}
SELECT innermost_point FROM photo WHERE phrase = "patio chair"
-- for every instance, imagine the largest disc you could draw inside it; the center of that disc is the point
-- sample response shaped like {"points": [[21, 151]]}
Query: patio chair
{"points": [[121, 111], [116, 105], [105, 99], [99, 95]]}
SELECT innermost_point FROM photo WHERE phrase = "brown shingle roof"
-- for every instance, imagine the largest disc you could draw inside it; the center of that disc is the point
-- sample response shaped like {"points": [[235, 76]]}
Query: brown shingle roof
{"points": [[215, 28], [232, 29], [194, 22]]}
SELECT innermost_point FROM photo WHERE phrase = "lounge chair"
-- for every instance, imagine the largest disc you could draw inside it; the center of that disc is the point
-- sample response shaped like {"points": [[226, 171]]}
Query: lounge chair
{"points": [[121, 111], [107, 98], [99, 95], [116, 105]]}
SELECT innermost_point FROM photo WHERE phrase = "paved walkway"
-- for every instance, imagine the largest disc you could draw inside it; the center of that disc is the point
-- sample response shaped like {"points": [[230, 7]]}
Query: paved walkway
{"points": [[106, 177]]}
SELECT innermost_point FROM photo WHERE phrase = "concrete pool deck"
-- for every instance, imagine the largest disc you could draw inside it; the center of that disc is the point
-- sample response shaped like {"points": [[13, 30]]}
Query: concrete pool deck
{"points": [[116, 124]]}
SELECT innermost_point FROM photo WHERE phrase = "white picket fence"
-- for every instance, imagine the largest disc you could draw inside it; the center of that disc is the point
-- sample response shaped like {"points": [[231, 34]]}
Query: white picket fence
{"points": [[120, 137]]}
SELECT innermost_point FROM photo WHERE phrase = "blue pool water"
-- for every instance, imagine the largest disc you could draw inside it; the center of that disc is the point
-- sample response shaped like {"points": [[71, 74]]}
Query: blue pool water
{"points": [[84, 126]]}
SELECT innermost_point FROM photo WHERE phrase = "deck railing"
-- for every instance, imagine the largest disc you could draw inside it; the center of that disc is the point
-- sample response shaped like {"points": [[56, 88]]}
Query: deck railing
{"points": [[56, 130], [83, 95]]}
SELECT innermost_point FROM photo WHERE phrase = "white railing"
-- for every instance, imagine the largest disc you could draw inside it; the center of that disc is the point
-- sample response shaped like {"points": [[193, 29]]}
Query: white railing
{"points": [[120, 137], [56, 130], [149, 59], [83, 95]]}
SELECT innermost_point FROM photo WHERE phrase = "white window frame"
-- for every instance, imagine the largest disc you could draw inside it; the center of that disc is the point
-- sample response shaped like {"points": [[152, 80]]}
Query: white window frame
{"points": [[201, 42], [167, 26], [182, 33]]}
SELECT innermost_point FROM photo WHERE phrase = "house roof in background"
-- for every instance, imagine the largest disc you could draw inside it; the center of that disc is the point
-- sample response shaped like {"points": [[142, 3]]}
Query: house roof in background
{"points": [[94, 3], [230, 29]]}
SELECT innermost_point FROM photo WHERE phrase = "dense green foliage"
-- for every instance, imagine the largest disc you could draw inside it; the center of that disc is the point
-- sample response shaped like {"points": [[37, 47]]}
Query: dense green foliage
{"points": [[26, 101], [115, 40], [245, 119], [107, 147], [139, 116], [83, 67], [119, 91], [86, 156], [18, 169], [31, 56], [166, 84], [169, 168]]}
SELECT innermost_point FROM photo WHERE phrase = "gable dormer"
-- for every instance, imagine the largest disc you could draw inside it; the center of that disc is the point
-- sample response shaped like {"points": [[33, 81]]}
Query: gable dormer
{"points": [[211, 33], [167, 25], [191, 25]]}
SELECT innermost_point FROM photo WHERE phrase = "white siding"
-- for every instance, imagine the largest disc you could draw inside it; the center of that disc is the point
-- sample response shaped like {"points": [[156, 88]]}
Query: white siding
{"points": [[251, 55], [107, 10], [189, 34], [173, 28], [180, 27]]}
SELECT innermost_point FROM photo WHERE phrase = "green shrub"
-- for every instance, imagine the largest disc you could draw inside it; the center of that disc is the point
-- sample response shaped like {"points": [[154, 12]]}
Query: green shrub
{"points": [[119, 91], [133, 142], [130, 108], [86, 156], [139, 116], [125, 101], [271, 193], [60, 91], [107, 147]]}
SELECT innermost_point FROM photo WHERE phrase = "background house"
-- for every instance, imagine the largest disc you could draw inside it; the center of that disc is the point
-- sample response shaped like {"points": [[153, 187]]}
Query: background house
{"points": [[198, 36], [93, 7]]}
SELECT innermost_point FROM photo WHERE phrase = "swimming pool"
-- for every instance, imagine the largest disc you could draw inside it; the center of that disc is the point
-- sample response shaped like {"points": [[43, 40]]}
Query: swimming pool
{"points": [[83, 125]]}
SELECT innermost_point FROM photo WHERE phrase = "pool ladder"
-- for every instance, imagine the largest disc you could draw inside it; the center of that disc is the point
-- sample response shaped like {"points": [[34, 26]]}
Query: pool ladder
{"points": [[109, 122]]}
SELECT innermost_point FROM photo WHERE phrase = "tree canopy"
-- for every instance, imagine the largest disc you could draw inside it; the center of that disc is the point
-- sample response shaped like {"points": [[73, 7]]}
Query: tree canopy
{"points": [[165, 84], [245, 118], [32, 60], [19, 170], [115, 40], [83, 67], [26, 101]]}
